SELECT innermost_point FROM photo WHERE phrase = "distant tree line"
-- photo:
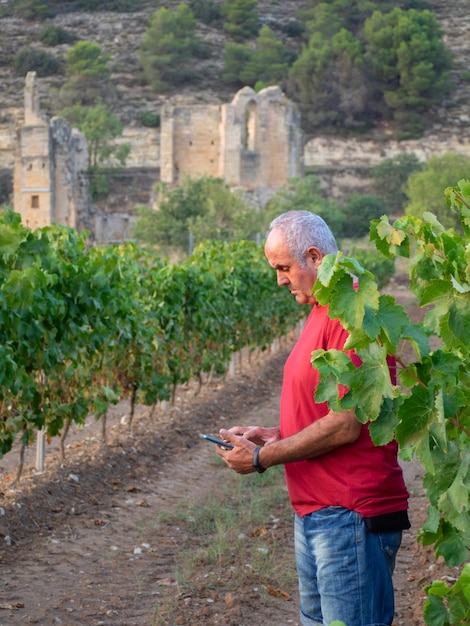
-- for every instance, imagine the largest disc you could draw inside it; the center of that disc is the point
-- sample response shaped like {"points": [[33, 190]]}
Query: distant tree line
{"points": [[207, 209], [349, 64], [355, 63], [370, 65]]}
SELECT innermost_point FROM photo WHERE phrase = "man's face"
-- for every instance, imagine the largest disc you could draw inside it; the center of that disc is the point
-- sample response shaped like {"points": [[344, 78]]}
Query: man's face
{"points": [[290, 273]]}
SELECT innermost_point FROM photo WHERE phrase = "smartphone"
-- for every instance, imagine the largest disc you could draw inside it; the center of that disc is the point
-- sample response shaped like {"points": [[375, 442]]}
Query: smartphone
{"points": [[219, 442]]}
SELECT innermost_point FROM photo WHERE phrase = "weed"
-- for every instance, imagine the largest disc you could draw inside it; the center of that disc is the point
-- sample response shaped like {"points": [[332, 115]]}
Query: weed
{"points": [[229, 540]]}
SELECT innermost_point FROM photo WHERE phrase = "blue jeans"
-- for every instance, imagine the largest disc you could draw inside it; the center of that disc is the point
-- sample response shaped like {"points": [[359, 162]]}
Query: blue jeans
{"points": [[345, 571]]}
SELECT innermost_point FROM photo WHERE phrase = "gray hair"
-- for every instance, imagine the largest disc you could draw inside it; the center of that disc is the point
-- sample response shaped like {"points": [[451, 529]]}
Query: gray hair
{"points": [[302, 229]]}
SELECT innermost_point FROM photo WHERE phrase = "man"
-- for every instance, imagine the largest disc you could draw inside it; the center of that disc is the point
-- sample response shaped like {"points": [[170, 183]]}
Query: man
{"points": [[349, 496]]}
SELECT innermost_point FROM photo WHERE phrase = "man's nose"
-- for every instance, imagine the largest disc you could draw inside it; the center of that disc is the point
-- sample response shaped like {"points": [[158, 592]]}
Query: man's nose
{"points": [[282, 279]]}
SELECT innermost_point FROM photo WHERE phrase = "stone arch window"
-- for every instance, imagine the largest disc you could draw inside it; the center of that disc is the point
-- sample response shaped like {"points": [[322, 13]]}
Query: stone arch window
{"points": [[251, 122], [35, 202]]}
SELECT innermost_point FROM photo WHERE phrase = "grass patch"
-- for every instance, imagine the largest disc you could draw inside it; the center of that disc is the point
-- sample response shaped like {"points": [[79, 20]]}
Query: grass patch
{"points": [[234, 538]]}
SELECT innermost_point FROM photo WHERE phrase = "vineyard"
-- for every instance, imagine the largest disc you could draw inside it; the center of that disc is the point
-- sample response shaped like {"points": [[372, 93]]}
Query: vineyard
{"points": [[85, 328]]}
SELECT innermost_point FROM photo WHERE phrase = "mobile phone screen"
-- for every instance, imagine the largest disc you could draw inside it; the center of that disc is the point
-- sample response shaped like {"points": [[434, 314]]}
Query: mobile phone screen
{"points": [[219, 442]]}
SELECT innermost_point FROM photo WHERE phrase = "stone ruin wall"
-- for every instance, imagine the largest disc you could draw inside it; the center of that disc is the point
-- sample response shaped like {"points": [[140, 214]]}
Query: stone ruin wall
{"points": [[190, 142], [253, 143], [50, 180], [199, 140], [342, 165], [49, 176], [32, 178]]}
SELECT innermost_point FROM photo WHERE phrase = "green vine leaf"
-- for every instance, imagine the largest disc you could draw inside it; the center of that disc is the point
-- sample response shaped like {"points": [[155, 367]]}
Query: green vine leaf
{"points": [[416, 413]]}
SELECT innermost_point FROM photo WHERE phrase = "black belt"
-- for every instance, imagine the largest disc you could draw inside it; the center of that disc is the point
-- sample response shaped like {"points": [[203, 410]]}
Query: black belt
{"points": [[388, 523]]}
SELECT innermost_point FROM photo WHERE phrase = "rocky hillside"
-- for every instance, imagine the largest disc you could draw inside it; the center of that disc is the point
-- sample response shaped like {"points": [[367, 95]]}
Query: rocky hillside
{"points": [[119, 35]]}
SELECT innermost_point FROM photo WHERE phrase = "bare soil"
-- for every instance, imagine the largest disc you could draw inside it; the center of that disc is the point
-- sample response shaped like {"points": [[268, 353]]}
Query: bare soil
{"points": [[80, 544]]}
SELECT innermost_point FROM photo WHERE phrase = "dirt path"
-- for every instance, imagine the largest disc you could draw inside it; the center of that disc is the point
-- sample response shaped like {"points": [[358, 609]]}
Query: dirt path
{"points": [[84, 547], [81, 546]]}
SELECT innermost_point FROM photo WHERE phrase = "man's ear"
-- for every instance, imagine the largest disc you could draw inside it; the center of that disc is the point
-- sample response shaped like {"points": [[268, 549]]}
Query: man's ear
{"points": [[314, 253]]}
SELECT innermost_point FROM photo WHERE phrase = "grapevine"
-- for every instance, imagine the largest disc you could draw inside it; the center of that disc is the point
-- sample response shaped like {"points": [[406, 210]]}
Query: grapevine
{"points": [[428, 412], [85, 327]]}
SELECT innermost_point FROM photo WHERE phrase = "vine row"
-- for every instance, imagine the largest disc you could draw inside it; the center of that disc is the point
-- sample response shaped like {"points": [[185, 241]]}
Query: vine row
{"points": [[86, 327]]}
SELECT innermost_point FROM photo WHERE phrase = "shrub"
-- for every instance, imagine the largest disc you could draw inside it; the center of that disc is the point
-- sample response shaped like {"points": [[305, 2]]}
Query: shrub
{"points": [[425, 188], [35, 60], [205, 207], [363, 62], [86, 58], [32, 9], [167, 47], [268, 63], [150, 119], [109, 5], [206, 11], [465, 75], [358, 212], [293, 28], [410, 123], [100, 128], [240, 19], [328, 80], [236, 57], [88, 76], [409, 61], [390, 176], [55, 35], [271, 60], [303, 194]]}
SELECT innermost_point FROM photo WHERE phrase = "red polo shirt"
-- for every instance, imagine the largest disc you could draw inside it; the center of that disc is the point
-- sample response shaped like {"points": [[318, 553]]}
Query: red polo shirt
{"points": [[358, 476]]}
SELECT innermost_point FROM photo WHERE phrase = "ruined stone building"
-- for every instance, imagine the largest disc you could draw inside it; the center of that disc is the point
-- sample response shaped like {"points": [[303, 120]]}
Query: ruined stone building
{"points": [[253, 143], [49, 177]]}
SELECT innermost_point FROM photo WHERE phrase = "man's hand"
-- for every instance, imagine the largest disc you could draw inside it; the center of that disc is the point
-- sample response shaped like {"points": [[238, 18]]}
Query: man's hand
{"points": [[321, 437], [257, 434], [240, 458]]}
